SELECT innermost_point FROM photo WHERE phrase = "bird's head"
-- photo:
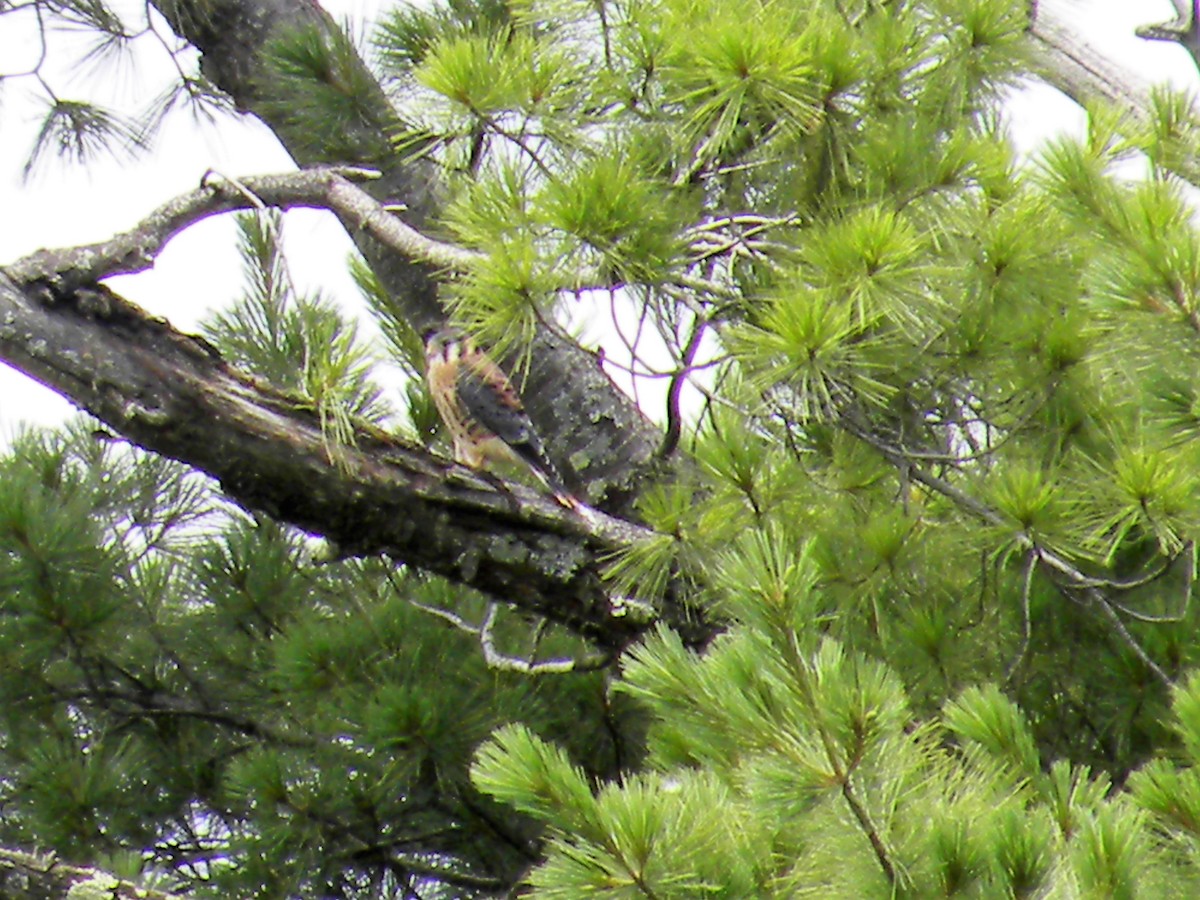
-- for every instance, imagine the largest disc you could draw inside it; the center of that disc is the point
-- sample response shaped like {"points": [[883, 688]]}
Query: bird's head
{"points": [[445, 344]]}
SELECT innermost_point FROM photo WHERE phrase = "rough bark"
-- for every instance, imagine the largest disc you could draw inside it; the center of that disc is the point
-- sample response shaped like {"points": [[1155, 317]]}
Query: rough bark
{"points": [[593, 431], [173, 395]]}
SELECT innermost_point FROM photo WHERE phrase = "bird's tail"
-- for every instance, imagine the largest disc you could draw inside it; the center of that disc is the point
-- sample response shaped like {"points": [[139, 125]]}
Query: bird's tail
{"points": [[545, 470]]}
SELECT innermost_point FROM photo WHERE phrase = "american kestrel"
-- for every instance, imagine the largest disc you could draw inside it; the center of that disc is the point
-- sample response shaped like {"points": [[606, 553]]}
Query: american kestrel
{"points": [[483, 411]]}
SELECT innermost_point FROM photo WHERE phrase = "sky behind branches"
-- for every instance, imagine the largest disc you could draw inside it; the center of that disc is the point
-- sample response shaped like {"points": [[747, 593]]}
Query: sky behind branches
{"points": [[64, 204]]}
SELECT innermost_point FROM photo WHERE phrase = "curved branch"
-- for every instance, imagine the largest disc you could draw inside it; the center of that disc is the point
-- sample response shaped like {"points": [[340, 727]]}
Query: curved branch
{"points": [[331, 188], [1070, 62], [323, 187]]}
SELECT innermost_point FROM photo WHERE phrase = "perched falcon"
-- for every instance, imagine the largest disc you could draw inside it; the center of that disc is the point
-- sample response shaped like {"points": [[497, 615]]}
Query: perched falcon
{"points": [[483, 411]]}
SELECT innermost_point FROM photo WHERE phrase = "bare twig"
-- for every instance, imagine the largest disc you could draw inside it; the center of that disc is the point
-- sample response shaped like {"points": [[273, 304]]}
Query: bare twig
{"points": [[1188, 580], [735, 235], [674, 419], [504, 662], [1026, 626]]}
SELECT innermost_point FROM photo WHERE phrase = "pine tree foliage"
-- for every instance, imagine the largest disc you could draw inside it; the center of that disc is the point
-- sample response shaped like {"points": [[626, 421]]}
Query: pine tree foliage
{"points": [[177, 679], [936, 484], [180, 677], [298, 343], [950, 378], [82, 129]]}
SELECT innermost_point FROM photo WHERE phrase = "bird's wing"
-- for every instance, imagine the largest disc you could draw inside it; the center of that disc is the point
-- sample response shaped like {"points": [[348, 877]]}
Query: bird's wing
{"points": [[490, 399]]}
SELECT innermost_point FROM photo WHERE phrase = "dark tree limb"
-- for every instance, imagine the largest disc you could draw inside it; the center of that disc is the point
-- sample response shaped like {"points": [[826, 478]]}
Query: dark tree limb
{"points": [[173, 395]]}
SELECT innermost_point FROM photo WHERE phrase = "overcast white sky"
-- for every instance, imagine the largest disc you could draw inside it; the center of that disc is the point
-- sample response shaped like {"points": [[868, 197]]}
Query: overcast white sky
{"points": [[199, 271]]}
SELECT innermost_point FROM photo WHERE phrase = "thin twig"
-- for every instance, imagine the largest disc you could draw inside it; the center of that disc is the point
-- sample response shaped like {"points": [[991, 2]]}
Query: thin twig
{"points": [[1189, 579], [674, 419], [503, 662], [1026, 625]]}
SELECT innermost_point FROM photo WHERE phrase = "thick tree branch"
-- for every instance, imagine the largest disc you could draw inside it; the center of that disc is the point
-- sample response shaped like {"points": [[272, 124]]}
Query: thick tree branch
{"points": [[173, 395]]}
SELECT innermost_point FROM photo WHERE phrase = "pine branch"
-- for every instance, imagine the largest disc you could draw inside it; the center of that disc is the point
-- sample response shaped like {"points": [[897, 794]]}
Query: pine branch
{"points": [[842, 769], [322, 187], [325, 188], [162, 705], [882, 854]]}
